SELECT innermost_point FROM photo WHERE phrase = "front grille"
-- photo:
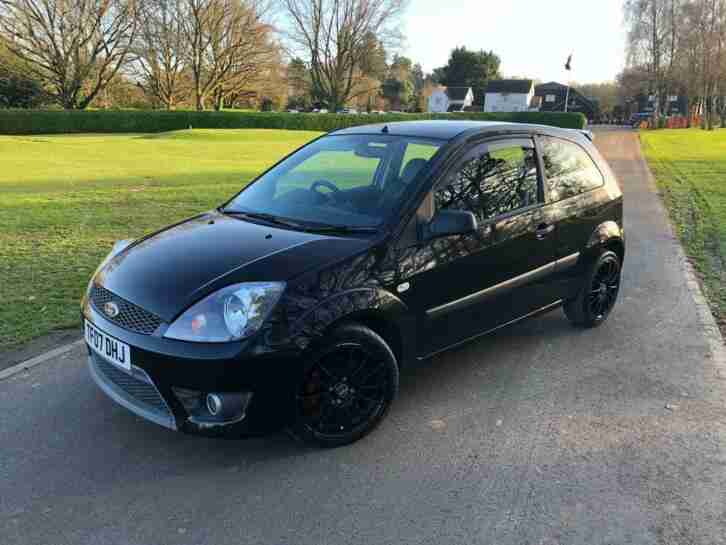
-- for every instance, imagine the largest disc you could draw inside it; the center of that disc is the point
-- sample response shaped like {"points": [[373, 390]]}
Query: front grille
{"points": [[129, 317], [134, 390], [137, 388]]}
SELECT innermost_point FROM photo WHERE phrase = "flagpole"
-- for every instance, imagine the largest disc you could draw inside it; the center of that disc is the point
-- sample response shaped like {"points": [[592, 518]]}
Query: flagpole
{"points": [[567, 97], [568, 67]]}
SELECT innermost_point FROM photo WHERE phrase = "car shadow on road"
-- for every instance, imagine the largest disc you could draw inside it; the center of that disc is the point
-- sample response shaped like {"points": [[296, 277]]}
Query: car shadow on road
{"points": [[502, 348]]}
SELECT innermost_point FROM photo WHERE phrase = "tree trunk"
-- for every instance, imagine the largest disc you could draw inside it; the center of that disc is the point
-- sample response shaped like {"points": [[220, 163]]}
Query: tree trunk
{"points": [[67, 101], [218, 100]]}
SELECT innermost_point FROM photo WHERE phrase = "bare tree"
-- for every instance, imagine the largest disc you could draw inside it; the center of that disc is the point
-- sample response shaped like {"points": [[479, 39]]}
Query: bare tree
{"points": [[682, 46], [333, 36], [161, 50], [653, 41], [227, 46], [73, 47], [704, 38], [712, 14]]}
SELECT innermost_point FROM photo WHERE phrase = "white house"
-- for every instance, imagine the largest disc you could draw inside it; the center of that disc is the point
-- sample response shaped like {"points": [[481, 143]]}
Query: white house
{"points": [[450, 99], [509, 95]]}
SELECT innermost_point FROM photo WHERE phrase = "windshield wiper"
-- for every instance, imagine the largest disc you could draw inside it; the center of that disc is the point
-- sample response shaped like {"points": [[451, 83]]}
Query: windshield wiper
{"points": [[342, 229], [312, 228], [270, 218]]}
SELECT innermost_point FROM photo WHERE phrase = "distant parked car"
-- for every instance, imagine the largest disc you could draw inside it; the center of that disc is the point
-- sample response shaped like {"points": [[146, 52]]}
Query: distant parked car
{"points": [[637, 119], [299, 300]]}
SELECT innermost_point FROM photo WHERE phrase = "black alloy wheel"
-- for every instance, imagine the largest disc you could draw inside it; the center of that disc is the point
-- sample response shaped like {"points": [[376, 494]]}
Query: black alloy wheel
{"points": [[596, 300], [604, 288], [348, 389]]}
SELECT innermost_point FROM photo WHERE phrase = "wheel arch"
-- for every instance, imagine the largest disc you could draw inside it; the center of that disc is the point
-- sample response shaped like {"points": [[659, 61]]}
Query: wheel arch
{"points": [[384, 326], [375, 308], [608, 235]]}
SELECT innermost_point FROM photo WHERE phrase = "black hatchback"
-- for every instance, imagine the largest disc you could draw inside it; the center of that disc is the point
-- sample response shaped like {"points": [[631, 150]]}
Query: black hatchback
{"points": [[298, 302]]}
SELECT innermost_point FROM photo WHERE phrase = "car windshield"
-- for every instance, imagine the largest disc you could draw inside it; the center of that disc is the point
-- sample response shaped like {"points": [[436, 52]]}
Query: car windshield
{"points": [[344, 181]]}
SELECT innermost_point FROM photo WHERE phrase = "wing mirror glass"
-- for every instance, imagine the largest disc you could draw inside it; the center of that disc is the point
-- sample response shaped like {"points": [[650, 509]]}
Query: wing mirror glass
{"points": [[451, 222]]}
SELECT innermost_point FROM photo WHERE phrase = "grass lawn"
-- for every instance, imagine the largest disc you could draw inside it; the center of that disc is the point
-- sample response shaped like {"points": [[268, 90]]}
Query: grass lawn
{"points": [[64, 200], [690, 168]]}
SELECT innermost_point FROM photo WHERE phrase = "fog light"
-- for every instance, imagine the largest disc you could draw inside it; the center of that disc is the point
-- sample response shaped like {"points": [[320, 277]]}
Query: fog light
{"points": [[214, 404]]}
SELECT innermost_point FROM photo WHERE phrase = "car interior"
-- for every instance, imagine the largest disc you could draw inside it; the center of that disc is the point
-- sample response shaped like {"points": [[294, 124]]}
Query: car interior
{"points": [[364, 200]]}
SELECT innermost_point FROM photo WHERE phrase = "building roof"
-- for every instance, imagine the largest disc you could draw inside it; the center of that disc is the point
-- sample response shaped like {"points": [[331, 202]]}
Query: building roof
{"points": [[450, 129], [457, 93], [583, 104], [514, 86], [549, 86]]}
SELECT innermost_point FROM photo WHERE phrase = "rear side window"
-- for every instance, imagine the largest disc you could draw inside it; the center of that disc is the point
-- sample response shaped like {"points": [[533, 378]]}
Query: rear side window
{"points": [[491, 181], [569, 169]]}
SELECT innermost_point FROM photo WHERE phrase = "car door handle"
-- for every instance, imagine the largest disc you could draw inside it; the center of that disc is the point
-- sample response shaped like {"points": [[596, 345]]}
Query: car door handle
{"points": [[544, 230]]}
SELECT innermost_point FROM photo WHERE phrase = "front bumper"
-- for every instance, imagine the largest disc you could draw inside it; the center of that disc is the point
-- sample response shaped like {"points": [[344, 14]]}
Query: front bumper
{"points": [[163, 367]]}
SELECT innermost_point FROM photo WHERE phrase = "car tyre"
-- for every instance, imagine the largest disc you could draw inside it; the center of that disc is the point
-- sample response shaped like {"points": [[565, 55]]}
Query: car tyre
{"points": [[598, 295], [347, 390]]}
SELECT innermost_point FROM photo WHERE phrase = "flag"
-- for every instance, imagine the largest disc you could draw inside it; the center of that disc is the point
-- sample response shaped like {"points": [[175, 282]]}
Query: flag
{"points": [[568, 64]]}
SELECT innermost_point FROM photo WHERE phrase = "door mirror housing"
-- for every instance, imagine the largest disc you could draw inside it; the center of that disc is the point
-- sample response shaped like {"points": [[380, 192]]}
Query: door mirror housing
{"points": [[451, 222]]}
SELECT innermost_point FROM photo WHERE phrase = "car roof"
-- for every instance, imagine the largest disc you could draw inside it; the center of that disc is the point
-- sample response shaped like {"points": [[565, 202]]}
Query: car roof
{"points": [[450, 129]]}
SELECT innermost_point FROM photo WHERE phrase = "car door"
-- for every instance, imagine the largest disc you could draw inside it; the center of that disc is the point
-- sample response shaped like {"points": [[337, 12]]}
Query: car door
{"points": [[463, 285]]}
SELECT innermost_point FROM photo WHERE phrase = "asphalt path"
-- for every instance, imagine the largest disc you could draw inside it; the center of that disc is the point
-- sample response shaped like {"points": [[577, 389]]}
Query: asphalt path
{"points": [[540, 434]]}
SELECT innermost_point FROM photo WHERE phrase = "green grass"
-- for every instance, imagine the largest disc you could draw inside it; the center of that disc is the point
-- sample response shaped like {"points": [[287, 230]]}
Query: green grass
{"points": [[64, 200], [690, 169]]}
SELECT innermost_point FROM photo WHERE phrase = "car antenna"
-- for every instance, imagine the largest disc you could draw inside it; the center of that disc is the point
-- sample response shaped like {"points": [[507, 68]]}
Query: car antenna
{"points": [[384, 130]]}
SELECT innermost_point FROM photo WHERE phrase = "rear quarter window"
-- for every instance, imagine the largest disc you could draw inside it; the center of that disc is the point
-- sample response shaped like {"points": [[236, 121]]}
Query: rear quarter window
{"points": [[569, 169]]}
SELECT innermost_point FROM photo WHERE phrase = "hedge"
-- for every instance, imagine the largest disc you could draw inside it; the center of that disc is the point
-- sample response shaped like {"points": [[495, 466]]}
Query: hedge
{"points": [[130, 121]]}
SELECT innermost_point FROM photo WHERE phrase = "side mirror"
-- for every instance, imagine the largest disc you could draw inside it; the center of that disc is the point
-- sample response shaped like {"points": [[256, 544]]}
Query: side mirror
{"points": [[451, 222]]}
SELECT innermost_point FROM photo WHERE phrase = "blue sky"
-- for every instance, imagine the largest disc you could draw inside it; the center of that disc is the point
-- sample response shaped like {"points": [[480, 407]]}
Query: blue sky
{"points": [[532, 37]]}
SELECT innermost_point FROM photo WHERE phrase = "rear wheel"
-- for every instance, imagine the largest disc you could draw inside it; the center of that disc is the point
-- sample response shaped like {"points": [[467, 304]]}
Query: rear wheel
{"points": [[348, 389], [599, 293]]}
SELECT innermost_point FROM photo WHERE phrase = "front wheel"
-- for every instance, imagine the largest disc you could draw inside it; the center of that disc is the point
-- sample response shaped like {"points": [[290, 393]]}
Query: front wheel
{"points": [[348, 389], [598, 294]]}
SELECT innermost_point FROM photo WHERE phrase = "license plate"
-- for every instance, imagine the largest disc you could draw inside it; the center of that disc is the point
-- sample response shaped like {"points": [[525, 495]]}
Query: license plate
{"points": [[107, 347]]}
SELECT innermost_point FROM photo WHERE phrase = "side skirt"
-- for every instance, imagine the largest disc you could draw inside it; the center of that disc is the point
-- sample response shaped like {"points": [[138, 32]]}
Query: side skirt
{"points": [[537, 312]]}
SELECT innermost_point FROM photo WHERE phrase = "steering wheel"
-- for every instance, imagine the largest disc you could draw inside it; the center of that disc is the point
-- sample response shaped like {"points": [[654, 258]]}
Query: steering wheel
{"points": [[326, 184]]}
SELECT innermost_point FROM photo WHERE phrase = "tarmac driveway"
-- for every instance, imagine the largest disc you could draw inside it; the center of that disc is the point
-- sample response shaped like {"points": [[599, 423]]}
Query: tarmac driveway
{"points": [[541, 434]]}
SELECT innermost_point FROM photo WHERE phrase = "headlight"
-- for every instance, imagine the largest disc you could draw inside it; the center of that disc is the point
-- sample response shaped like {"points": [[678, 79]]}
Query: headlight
{"points": [[231, 314]]}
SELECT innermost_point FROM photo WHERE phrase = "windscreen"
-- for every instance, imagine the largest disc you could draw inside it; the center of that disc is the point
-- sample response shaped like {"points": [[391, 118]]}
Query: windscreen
{"points": [[340, 181]]}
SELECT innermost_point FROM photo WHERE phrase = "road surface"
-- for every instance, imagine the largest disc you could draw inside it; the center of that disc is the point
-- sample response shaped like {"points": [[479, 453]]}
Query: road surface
{"points": [[541, 434]]}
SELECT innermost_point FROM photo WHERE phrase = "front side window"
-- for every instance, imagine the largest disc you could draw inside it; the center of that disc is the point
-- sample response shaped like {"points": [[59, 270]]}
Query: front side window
{"points": [[568, 168], [340, 181], [491, 181]]}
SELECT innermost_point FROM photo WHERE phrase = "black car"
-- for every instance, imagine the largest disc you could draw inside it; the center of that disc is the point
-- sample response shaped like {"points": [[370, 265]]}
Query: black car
{"points": [[298, 302]]}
